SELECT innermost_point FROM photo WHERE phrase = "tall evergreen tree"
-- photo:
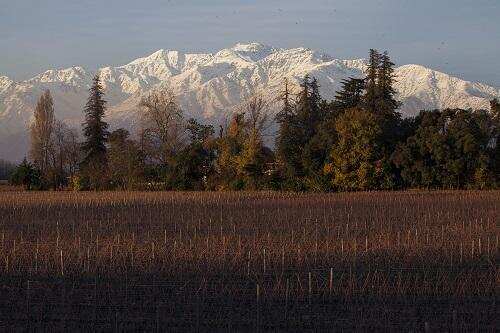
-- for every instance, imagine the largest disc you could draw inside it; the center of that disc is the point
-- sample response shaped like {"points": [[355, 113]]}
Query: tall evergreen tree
{"points": [[316, 144], [27, 175], [287, 142], [371, 94], [386, 103], [379, 99], [297, 128], [95, 130], [308, 108], [351, 93]]}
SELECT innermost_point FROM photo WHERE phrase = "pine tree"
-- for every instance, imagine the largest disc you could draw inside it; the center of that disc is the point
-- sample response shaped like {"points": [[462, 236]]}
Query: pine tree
{"points": [[287, 145], [308, 108], [315, 145], [95, 130], [27, 175], [386, 103], [351, 94], [371, 94], [298, 126], [379, 100]]}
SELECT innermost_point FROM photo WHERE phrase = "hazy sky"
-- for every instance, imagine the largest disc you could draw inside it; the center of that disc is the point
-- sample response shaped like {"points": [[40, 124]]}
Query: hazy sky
{"points": [[460, 37]]}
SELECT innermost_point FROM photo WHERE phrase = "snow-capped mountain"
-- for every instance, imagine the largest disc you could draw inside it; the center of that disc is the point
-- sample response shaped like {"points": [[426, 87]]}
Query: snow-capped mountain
{"points": [[210, 86]]}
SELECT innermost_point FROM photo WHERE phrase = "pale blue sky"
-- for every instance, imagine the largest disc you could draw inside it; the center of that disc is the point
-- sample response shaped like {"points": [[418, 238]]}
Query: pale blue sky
{"points": [[461, 37]]}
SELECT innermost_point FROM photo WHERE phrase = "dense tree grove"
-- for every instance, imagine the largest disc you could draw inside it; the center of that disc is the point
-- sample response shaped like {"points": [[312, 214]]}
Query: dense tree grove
{"points": [[357, 142], [54, 150]]}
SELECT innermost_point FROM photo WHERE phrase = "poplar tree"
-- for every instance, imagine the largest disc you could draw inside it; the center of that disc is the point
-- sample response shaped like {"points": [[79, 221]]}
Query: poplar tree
{"points": [[41, 132], [229, 147], [252, 160]]}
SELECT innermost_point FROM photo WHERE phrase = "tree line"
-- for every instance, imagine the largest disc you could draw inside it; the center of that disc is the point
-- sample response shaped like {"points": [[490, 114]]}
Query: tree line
{"points": [[356, 142]]}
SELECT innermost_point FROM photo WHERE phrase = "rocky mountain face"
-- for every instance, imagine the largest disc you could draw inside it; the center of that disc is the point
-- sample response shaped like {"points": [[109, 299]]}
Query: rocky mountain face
{"points": [[210, 86]]}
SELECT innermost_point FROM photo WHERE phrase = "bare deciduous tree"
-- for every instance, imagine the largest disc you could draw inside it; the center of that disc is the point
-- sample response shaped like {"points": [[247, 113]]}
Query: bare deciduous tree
{"points": [[257, 110], [66, 151], [163, 130]]}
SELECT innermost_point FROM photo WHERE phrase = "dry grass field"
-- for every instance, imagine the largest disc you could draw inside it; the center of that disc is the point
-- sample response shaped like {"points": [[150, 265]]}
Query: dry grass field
{"points": [[119, 261]]}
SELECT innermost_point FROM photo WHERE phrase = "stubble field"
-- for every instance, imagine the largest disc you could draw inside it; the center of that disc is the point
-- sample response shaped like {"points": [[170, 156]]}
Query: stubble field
{"points": [[127, 261]]}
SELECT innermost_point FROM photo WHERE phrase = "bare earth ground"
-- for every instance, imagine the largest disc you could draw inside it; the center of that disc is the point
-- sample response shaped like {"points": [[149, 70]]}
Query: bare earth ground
{"points": [[120, 261]]}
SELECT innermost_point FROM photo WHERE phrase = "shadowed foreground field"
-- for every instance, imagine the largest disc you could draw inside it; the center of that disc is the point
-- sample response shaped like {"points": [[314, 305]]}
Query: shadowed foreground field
{"points": [[249, 261]]}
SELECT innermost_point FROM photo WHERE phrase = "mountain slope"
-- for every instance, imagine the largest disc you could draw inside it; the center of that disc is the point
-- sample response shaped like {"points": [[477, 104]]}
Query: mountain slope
{"points": [[209, 86]]}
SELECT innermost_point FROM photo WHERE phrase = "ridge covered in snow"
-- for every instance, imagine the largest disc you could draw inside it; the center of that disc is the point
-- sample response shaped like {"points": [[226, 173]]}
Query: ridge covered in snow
{"points": [[210, 85]]}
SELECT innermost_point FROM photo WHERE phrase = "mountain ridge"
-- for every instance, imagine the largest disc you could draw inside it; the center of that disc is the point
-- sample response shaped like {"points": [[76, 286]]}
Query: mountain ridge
{"points": [[211, 85]]}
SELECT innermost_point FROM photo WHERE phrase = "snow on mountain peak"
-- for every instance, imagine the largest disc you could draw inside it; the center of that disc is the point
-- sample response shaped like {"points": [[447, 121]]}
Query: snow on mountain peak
{"points": [[5, 82], [359, 64], [73, 76], [210, 86], [253, 51], [159, 57], [251, 47]]}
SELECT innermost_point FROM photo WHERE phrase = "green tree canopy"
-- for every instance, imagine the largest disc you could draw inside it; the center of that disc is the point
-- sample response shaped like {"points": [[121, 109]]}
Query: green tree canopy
{"points": [[355, 158]]}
